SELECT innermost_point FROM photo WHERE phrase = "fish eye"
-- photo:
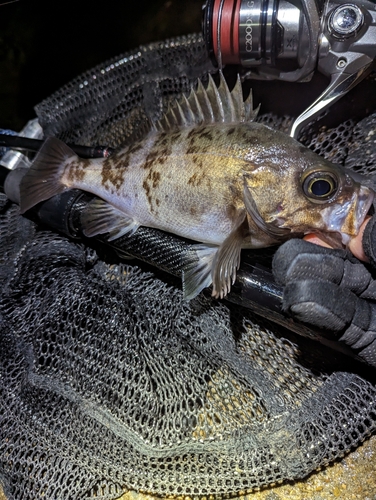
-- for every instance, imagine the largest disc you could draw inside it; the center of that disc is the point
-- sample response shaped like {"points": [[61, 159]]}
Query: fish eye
{"points": [[320, 186]]}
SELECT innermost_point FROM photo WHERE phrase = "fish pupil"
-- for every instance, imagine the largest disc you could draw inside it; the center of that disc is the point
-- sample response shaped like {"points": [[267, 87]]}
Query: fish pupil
{"points": [[321, 187]]}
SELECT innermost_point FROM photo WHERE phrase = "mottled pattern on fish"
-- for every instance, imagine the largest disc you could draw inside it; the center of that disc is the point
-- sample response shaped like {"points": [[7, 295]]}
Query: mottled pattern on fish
{"points": [[208, 174], [186, 182]]}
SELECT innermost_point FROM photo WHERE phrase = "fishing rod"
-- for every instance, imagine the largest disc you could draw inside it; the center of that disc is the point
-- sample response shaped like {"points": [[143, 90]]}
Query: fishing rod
{"points": [[254, 288], [27, 144]]}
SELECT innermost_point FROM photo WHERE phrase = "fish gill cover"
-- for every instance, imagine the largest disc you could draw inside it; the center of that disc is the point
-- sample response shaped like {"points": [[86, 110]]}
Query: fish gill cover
{"points": [[110, 381]]}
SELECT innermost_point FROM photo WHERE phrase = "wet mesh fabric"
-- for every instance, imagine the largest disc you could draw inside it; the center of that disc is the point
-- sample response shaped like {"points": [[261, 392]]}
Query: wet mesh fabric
{"points": [[112, 103], [111, 382]]}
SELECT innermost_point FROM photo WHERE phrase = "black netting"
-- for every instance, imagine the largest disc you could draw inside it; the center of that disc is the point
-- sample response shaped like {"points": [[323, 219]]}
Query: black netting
{"points": [[107, 373], [110, 103], [110, 381]]}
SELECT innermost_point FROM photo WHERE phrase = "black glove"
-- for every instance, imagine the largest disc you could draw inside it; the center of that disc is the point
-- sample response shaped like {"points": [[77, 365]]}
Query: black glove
{"points": [[332, 290]]}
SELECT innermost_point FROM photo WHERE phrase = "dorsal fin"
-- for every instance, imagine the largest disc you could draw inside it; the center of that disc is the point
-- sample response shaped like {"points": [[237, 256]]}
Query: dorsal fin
{"points": [[211, 105]]}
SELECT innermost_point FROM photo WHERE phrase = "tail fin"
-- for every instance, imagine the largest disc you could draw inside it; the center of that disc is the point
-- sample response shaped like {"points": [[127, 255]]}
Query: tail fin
{"points": [[43, 179]]}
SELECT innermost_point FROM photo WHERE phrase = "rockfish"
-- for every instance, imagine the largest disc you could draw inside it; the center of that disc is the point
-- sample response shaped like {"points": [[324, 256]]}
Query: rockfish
{"points": [[209, 173]]}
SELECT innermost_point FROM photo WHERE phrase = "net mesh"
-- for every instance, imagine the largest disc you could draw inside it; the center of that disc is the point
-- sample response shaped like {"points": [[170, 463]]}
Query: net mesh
{"points": [[110, 381], [111, 103]]}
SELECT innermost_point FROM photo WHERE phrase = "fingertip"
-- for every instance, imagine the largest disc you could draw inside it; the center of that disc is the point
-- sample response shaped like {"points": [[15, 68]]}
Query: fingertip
{"points": [[313, 238], [356, 244]]}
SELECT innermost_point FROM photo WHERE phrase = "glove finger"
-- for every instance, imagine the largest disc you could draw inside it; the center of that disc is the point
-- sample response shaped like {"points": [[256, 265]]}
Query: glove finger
{"points": [[368, 354], [319, 303], [369, 238], [361, 331], [356, 277], [299, 258]]}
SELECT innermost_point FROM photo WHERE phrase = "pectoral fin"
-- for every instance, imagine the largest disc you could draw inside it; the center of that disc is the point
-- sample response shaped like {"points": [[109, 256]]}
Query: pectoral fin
{"points": [[227, 258], [205, 264], [198, 264], [100, 217]]}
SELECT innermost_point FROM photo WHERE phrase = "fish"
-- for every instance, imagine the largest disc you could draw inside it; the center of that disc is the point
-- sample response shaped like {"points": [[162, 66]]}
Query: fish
{"points": [[209, 172]]}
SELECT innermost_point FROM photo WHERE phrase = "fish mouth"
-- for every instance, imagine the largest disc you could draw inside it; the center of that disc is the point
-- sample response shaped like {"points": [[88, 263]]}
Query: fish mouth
{"points": [[364, 204], [346, 218]]}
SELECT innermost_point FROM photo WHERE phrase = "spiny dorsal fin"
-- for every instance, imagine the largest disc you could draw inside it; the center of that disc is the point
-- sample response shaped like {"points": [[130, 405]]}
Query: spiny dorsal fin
{"points": [[211, 105]]}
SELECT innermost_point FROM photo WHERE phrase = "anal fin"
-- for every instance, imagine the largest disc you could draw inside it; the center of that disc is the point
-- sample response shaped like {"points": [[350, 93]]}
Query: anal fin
{"points": [[100, 217]]}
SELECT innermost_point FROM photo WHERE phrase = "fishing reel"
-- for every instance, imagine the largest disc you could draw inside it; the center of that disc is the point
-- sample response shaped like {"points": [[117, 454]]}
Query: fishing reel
{"points": [[290, 39]]}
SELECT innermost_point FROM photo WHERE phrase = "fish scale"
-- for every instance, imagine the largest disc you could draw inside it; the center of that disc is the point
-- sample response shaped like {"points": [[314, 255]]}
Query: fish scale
{"points": [[209, 173]]}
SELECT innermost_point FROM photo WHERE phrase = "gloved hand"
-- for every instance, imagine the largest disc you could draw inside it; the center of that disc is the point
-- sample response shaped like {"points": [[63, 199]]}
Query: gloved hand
{"points": [[331, 289]]}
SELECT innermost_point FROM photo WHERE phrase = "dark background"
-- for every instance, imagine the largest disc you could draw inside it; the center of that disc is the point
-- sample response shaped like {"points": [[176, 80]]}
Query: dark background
{"points": [[43, 45]]}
